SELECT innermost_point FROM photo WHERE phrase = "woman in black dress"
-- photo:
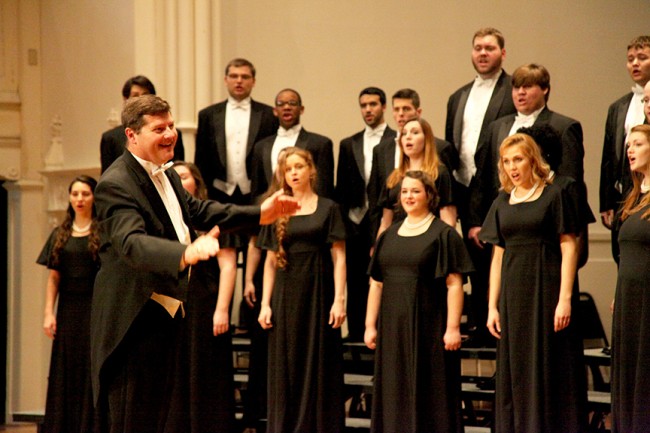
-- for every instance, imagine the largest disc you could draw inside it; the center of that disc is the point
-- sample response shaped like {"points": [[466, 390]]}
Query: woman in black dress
{"points": [[631, 324], [550, 145], [417, 152], [413, 318], [303, 307], [540, 376], [71, 255], [255, 397], [210, 372]]}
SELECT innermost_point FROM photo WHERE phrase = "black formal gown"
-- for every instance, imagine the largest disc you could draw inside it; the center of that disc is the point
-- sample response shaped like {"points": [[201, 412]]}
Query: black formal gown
{"points": [[417, 382], [69, 407], [389, 198], [204, 399], [210, 373], [305, 383], [631, 328], [540, 375]]}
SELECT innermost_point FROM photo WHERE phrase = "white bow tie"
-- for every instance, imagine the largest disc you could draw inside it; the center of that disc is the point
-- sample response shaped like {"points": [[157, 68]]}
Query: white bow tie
{"points": [[484, 82], [158, 170], [239, 104], [285, 132], [373, 133], [637, 90]]}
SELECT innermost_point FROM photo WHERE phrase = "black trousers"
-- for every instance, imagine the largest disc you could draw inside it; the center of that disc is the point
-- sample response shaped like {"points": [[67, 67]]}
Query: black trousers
{"points": [[139, 378], [357, 257]]}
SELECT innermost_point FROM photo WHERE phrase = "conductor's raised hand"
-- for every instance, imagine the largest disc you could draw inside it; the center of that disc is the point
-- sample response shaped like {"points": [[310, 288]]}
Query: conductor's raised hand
{"points": [[204, 247], [276, 206]]}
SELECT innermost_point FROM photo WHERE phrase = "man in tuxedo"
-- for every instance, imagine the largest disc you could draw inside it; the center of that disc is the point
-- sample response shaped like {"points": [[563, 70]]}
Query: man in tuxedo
{"points": [[151, 256], [288, 109], [531, 86], [406, 106], [113, 141], [226, 134], [623, 114], [470, 110], [353, 174]]}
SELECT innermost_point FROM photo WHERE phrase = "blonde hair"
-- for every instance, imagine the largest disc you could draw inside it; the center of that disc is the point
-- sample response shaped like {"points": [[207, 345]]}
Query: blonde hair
{"points": [[281, 223], [631, 204], [431, 159], [530, 150]]}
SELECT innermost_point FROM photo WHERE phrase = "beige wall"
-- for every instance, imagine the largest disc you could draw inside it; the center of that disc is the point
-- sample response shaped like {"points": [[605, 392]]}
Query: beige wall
{"points": [[328, 51]]}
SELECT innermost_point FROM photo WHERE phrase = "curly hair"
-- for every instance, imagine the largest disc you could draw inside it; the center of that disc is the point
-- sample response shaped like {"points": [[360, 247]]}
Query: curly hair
{"points": [[632, 204], [433, 198], [64, 231], [431, 158], [281, 223]]}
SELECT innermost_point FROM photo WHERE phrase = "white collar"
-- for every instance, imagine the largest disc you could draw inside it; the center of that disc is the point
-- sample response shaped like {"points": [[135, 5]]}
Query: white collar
{"points": [[533, 115], [637, 90], [244, 103], [291, 132], [487, 82], [379, 130], [151, 168]]}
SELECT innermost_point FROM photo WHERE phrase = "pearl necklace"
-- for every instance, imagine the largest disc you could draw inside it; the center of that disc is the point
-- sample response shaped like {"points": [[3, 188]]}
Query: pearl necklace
{"points": [[77, 229], [515, 199], [419, 224]]}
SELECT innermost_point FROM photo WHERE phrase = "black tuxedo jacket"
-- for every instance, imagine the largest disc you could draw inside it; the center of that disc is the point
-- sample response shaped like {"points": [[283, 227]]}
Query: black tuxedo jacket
{"points": [[485, 185], [113, 144], [321, 149], [210, 156], [615, 178], [140, 251], [351, 189], [500, 105]]}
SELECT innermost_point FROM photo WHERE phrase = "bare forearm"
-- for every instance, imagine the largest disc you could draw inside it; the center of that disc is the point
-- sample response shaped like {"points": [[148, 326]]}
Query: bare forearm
{"points": [[568, 247], [269, 278], [495, 276], [338, 256], [51, 291], [374, 302], [227, 259], [455, 297], [253, 258]]}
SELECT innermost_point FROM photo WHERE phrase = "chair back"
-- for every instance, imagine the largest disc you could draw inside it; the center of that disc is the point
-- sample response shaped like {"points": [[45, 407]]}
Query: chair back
{"points": [[589, 324]]}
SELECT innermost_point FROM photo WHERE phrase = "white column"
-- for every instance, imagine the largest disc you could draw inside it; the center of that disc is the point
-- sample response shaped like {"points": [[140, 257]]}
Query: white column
{"points": [[169, 58], [203, 53], [185, 74], [216, 71]]}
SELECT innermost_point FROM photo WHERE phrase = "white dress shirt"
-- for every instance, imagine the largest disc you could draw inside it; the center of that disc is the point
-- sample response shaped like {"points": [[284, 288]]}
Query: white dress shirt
{"points": [[371, 138], [173, 206], [635, 115], [473, 115], [525, 121], [238, 117], [284, 138]]}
